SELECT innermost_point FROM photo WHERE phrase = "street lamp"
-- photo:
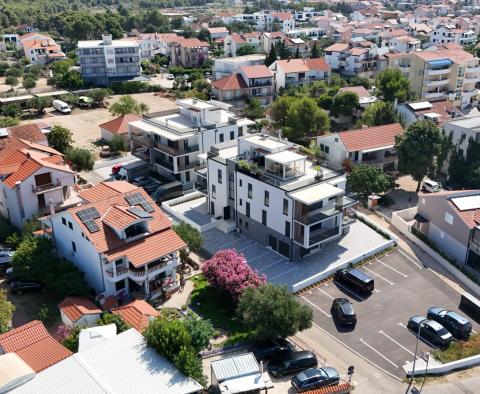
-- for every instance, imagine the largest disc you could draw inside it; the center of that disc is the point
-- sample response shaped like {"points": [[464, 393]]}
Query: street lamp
{"points": [[412, 376]]}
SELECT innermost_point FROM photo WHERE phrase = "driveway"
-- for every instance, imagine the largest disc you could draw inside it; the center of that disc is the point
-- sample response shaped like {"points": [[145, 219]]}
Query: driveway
{"points": [[403, 287]]}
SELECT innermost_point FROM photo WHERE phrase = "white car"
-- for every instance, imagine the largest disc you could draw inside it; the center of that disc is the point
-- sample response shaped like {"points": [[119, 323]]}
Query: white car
{"points": [[6, 255], [170, 76]]}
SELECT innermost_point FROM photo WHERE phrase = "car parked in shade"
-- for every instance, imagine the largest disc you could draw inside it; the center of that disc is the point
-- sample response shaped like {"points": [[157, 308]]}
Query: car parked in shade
{"points": [[21, 286], [291, 363], [266, 350], [430, 330], [459, 326], [315, 378], [342, 311], [356, 279]]}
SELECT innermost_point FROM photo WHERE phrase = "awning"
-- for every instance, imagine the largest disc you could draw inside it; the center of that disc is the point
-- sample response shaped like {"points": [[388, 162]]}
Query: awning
{"points": [[419, 218], [440, 63]]}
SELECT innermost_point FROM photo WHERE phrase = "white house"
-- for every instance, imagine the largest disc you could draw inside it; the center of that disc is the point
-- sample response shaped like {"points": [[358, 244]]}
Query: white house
{"points": [[120, 239], [234, 42], [462, 131], [79, 312], [276, 195], [449, 33], [226, 66], [117, 126], [297, 72], [40, 49], [218, 32], [371, 145], [35, 180], [404, 44]]}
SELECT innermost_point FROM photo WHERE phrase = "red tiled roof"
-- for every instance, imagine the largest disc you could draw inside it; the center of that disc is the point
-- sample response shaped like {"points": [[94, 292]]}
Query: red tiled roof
{"points": [[118, 217], [370, 137], [340, 388], [230, 82], [32, 343], [303, 65], [137, 314], [283, 16], [193, 43], [257, 71], [338, 47], [214, 30], [120, 125], [105, 190], [76, 307], [360, 90], [29, 132]]}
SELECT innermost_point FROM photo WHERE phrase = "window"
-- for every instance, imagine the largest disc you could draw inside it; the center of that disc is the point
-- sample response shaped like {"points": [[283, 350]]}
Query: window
{"points": [[264, 217], [231, 180], [246, 225], [287, 229], [221, 137], [74, 247], [240, 222], [70, 225], [285, 206], [120, 285], [240, 183], [266, 198], [247, 210], [219, 176], [214, 191], [249, 190], [232, 135], [212, 208], [448, 218], [64, 221], [240, 131], [327, 149], [241, 202]]}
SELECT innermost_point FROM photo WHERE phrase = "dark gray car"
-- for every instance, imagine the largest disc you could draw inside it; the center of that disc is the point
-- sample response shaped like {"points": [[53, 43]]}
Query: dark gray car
{"points": [[458, 325], [315, 378]]}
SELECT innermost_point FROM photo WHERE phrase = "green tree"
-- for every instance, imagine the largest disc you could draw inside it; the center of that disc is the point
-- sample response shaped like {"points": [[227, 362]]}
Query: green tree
{"points": [[6, 312], [190, 365], [200, 331], [127, 105], [344, 104], [168, 337], [112, 318], [315, 51], [8, 121], [40, 103], [12, 81], [379, 113], [282, 50], [29, 83], [81, 159], [71, 80], [192, 237], [366, 180], [203, 35], [305, 119], [278, 110], [99, 95], [360, 81], [297, 54], [246, 50], [71, 341], [11, 110], [60, 138], [32, 258], [418, 148], [392, 85], [118, 144], [271, 57], [253, 109], [272, 311], [14, 71]]}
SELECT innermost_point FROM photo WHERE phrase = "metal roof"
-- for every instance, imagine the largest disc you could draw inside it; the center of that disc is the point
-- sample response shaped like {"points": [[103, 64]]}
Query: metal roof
{"points": [[234, 367]]}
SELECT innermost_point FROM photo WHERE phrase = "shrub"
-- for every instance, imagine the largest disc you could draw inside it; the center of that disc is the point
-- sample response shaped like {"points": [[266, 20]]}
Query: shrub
{"points": [[71, 341], [81, 159], [118, 144], [112, 318]]}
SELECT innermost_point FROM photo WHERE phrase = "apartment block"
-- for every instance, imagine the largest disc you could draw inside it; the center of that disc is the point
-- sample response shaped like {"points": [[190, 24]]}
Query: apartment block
{"points": [[189, 53], [173, 142], [445, 34], [276, 195], [297, 72], [105, 61]]}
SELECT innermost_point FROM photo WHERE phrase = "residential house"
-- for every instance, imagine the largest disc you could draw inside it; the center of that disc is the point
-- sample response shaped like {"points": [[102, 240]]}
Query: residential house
{"points": [[440, 112], [117, 126], [218, 32], [122, 364], [313, 33], [451, 220], [34, 345], [79, 312], [297, 72], [462, 132], [137, 314], [120, 239], [449, 33], [369, 145], [440, 74], [404, 44], [226, 66], [364, 97], [234, 42], [249, 81], [277, 196], [34, 180], [285, 21], [105, 61], [151, 44], [173, 142], [189, 53], [40, 49]]}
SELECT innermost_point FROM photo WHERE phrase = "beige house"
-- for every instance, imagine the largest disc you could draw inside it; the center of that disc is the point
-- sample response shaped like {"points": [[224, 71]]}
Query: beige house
{"points": [[189, 53]]}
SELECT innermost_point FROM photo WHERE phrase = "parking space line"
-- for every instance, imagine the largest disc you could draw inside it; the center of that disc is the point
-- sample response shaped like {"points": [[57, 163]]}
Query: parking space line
{"points": [[394, 341], [423, 339], [380, 354], [324, 292], [263, 254], [474, 331], [393, 269], [269, 265], [380, 276], [312, 304], [246, 247], [412, 260], [347, 290]]}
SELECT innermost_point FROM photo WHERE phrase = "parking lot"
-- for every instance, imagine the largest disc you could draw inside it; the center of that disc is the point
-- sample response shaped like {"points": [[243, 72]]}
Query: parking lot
{"points": [[403, 288]]}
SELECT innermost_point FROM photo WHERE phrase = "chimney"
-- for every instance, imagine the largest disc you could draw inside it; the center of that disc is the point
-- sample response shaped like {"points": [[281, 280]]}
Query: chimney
{"points": [[107, 39], [51, 206]]}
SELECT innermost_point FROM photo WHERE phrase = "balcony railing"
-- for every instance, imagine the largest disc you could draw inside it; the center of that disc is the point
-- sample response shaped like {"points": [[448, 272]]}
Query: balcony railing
{"points": [[164, 163], [46, 187], [176, 151], [321, 236]]}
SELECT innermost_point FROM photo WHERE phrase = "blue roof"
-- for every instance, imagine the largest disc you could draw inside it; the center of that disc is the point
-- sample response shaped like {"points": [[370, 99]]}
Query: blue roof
{"points": [[440, 63]]}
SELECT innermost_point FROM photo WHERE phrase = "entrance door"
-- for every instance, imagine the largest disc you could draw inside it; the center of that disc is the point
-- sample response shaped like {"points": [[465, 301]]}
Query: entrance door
{"points": [[272, 242], [41, 201], [226, 213]]}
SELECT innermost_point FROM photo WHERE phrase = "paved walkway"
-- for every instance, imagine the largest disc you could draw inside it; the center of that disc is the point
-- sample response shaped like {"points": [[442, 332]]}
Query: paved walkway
{"points": [[180, 297]]}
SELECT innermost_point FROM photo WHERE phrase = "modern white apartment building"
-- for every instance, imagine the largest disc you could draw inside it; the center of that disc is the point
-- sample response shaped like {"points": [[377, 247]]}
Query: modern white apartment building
{"points": [[120, 239], [173, 142], [276, 195], [223, 67], [445, 34], [462, 131], [297, 72], [105, 61]]}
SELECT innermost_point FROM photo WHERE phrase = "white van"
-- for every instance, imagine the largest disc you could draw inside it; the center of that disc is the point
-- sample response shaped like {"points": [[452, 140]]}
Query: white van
{"points": [[431, 186], [61, 106]]}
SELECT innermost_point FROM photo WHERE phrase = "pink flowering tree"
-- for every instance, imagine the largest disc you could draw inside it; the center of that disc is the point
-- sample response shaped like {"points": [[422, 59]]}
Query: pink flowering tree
{"points": [[229, 270]]}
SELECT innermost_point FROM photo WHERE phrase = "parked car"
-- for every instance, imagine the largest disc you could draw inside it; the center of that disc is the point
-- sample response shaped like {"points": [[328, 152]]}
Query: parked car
{"points": [[61, 106], [315, 378], [342, 311], [458, 325], [10, 275], [170, 76], [293, 362], [356, 279], [141, 180], [431, 186], [6, 255], [270, 349], [430, 330], [22, 286]]}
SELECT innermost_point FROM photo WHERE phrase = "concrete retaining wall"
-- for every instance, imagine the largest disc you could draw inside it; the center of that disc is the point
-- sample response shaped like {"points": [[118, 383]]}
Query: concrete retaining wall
{"points": [[399, 221], [445, 368]]}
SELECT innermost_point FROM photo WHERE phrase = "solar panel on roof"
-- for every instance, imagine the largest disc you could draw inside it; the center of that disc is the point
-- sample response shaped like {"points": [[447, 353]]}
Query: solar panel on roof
{"points": [[467, 203], [139, 212], [138, 199], [87, 217]]}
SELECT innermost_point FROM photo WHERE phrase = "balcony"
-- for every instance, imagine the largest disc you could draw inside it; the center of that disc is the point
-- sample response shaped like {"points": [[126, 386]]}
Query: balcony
{"points": [[471, 79], [433, 95], [324, 235], [260, 84], [404, 67], [37, 189], [438, 71], [473, 69], [176, 151], [164, 163], [436, 82]]}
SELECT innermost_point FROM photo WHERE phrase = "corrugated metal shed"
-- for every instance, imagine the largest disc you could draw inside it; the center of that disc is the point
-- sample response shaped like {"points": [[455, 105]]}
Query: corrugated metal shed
{"points": [[234, 367]]}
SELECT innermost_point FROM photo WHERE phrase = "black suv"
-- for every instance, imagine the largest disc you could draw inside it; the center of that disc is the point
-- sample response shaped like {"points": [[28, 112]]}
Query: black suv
{"points": [[269, 349], [430, 331], [342, 311], [355, 279], [290, 363], [458, 325], [21, 286]]}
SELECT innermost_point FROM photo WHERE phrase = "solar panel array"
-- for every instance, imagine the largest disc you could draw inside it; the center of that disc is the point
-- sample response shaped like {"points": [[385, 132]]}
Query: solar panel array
{"points": [[87, 217], [139, 212], [138, 199]]}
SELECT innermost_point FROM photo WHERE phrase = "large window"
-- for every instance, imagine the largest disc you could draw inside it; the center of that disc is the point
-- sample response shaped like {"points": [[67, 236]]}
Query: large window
{"points": [[219, 176], [214, 191], [266, 198], [287, 229], [285, 206], [249, 190], [247, 209], [264, 217]]}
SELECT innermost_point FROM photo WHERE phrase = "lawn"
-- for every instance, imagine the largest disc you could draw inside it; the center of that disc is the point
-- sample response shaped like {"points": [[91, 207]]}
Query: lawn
{"points": [[217, 306], [459, 350]]}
